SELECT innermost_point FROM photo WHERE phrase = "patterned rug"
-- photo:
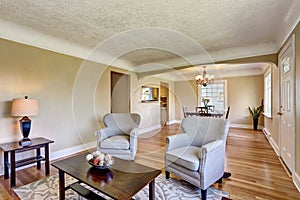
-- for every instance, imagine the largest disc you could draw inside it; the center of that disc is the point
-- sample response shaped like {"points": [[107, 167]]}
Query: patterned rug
{"points": [[166, 189]]}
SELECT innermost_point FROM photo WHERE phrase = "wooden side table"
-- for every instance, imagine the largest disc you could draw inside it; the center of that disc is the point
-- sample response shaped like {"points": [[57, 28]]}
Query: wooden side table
{"points": [[14, 147]]}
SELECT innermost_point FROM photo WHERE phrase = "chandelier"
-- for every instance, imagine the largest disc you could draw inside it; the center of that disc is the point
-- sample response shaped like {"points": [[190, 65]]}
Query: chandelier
{"points": [[205, 78]]}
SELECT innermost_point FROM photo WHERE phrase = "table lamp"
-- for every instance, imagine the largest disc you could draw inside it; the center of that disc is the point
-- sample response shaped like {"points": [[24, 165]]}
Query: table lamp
{"points": [[24, 108]]}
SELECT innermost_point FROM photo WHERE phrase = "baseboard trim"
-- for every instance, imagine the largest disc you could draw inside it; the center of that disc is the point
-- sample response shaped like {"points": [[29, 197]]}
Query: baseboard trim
{"points": [[155, 127], [295, 177], [266, 132], [244, 126], [296, 180], [274, 145], [148, 129], [174, 122], [158, 126], [72, 150], [271, 141]]}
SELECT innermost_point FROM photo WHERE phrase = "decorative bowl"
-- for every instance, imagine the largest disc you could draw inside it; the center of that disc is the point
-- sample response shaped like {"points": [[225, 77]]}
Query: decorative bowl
{"points": [[100, 160], [104, 166]]}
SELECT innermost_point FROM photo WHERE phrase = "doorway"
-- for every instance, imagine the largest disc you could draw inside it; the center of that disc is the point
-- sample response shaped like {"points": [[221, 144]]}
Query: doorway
{"points": [[164, 103], [120, 92], [287, 104]]}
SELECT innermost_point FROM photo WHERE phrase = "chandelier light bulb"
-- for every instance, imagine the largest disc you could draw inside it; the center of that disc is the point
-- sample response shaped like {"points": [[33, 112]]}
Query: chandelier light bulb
{"points": [[205, 78]]}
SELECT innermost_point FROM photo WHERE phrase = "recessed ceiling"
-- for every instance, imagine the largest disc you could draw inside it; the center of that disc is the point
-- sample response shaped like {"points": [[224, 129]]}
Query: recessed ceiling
{"points": [[132, 34], [220, 71]]}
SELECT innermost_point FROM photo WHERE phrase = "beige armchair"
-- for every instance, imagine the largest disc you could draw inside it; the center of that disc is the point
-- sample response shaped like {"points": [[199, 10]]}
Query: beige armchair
{"points": [[197, 155], [120, 135]]}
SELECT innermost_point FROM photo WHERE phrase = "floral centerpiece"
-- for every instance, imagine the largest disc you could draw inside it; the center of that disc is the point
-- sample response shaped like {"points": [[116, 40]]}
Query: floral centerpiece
{"points": [[205, 101]]}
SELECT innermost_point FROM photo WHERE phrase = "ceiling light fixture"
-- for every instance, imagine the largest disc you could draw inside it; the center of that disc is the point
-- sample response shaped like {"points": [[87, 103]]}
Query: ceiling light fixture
{"points": [[205, 78]]}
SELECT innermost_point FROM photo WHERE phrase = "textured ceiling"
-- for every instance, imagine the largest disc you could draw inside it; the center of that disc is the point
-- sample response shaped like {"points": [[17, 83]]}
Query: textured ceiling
{"points": [[133, 33]]}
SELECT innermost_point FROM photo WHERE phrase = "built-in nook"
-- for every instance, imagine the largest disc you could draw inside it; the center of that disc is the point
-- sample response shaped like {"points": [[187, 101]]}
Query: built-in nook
{"points": [[120, 92]]}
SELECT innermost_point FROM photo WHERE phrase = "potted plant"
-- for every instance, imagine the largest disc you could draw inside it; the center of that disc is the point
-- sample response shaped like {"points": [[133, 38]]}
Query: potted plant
{"points": [[255, 113]]}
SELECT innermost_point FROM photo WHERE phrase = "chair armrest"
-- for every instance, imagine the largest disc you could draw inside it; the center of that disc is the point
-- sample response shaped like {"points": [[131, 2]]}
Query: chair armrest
{"points": [[133, 132], [133, 142], [177, 141], [212, 162], [106, 132], [133, 139], [210, 147], [212, 158]]}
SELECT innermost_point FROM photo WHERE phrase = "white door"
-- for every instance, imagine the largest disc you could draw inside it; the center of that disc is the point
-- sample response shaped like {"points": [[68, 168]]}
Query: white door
{"points": [[287, 103]]}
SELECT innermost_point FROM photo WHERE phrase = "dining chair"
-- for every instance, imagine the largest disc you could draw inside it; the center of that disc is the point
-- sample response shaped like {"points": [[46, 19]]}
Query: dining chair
{"points": [[210, 108], [201, 109], [184, 109], [227, 174], [227, 112]]}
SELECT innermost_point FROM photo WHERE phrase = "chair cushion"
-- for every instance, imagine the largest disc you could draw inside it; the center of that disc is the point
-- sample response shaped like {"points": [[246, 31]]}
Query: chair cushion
{"points": [[123, 121], [116, 142], [203, 130], [185, 156]]}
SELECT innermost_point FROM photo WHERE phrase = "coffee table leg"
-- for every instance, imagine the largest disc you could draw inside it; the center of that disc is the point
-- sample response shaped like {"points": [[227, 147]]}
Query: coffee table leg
{"points": [[61, 184], [6, 165], [152, 190]]}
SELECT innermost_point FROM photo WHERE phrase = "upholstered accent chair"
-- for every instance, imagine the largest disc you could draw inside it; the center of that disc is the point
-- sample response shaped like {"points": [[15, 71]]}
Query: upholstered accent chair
{"points": [[119, 137], [198, 154]]}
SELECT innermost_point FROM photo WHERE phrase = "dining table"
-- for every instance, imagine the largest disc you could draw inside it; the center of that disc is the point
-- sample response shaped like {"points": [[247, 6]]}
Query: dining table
{"points": [[205, 109], [215, 114]]}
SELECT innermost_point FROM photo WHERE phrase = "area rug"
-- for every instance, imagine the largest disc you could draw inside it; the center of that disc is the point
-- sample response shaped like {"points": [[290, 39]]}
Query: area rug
{"points": [[166, 189]]}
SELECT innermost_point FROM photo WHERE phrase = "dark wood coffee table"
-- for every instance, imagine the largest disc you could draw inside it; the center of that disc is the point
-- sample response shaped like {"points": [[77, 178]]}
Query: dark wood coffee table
{"points": [[121, 181]]}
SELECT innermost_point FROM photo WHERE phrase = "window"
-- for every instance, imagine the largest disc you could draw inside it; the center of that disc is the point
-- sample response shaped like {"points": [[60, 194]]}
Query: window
{"points": [[216, 94], [268, 95]]}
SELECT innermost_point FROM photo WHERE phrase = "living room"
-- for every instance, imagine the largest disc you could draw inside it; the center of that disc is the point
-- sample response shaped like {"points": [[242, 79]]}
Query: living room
{"points": [[73, 88]]}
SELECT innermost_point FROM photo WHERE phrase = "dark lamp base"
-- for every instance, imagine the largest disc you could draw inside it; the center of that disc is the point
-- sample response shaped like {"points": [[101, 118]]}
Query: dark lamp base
{"points": [[25, 142]]}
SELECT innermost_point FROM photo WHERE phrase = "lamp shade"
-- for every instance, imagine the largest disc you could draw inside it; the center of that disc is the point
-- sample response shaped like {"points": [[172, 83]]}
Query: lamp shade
{"points": [[24, 107]]}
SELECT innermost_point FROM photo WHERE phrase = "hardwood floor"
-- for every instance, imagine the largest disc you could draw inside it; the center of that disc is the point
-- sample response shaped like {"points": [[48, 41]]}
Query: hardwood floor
{"points": [[256, 170]]}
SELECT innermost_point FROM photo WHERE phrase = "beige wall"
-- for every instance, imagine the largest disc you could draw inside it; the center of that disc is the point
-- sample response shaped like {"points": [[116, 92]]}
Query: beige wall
{"points": [[43, 75], [243, 92], [73, 95], [271, 124], [186, 95]]}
